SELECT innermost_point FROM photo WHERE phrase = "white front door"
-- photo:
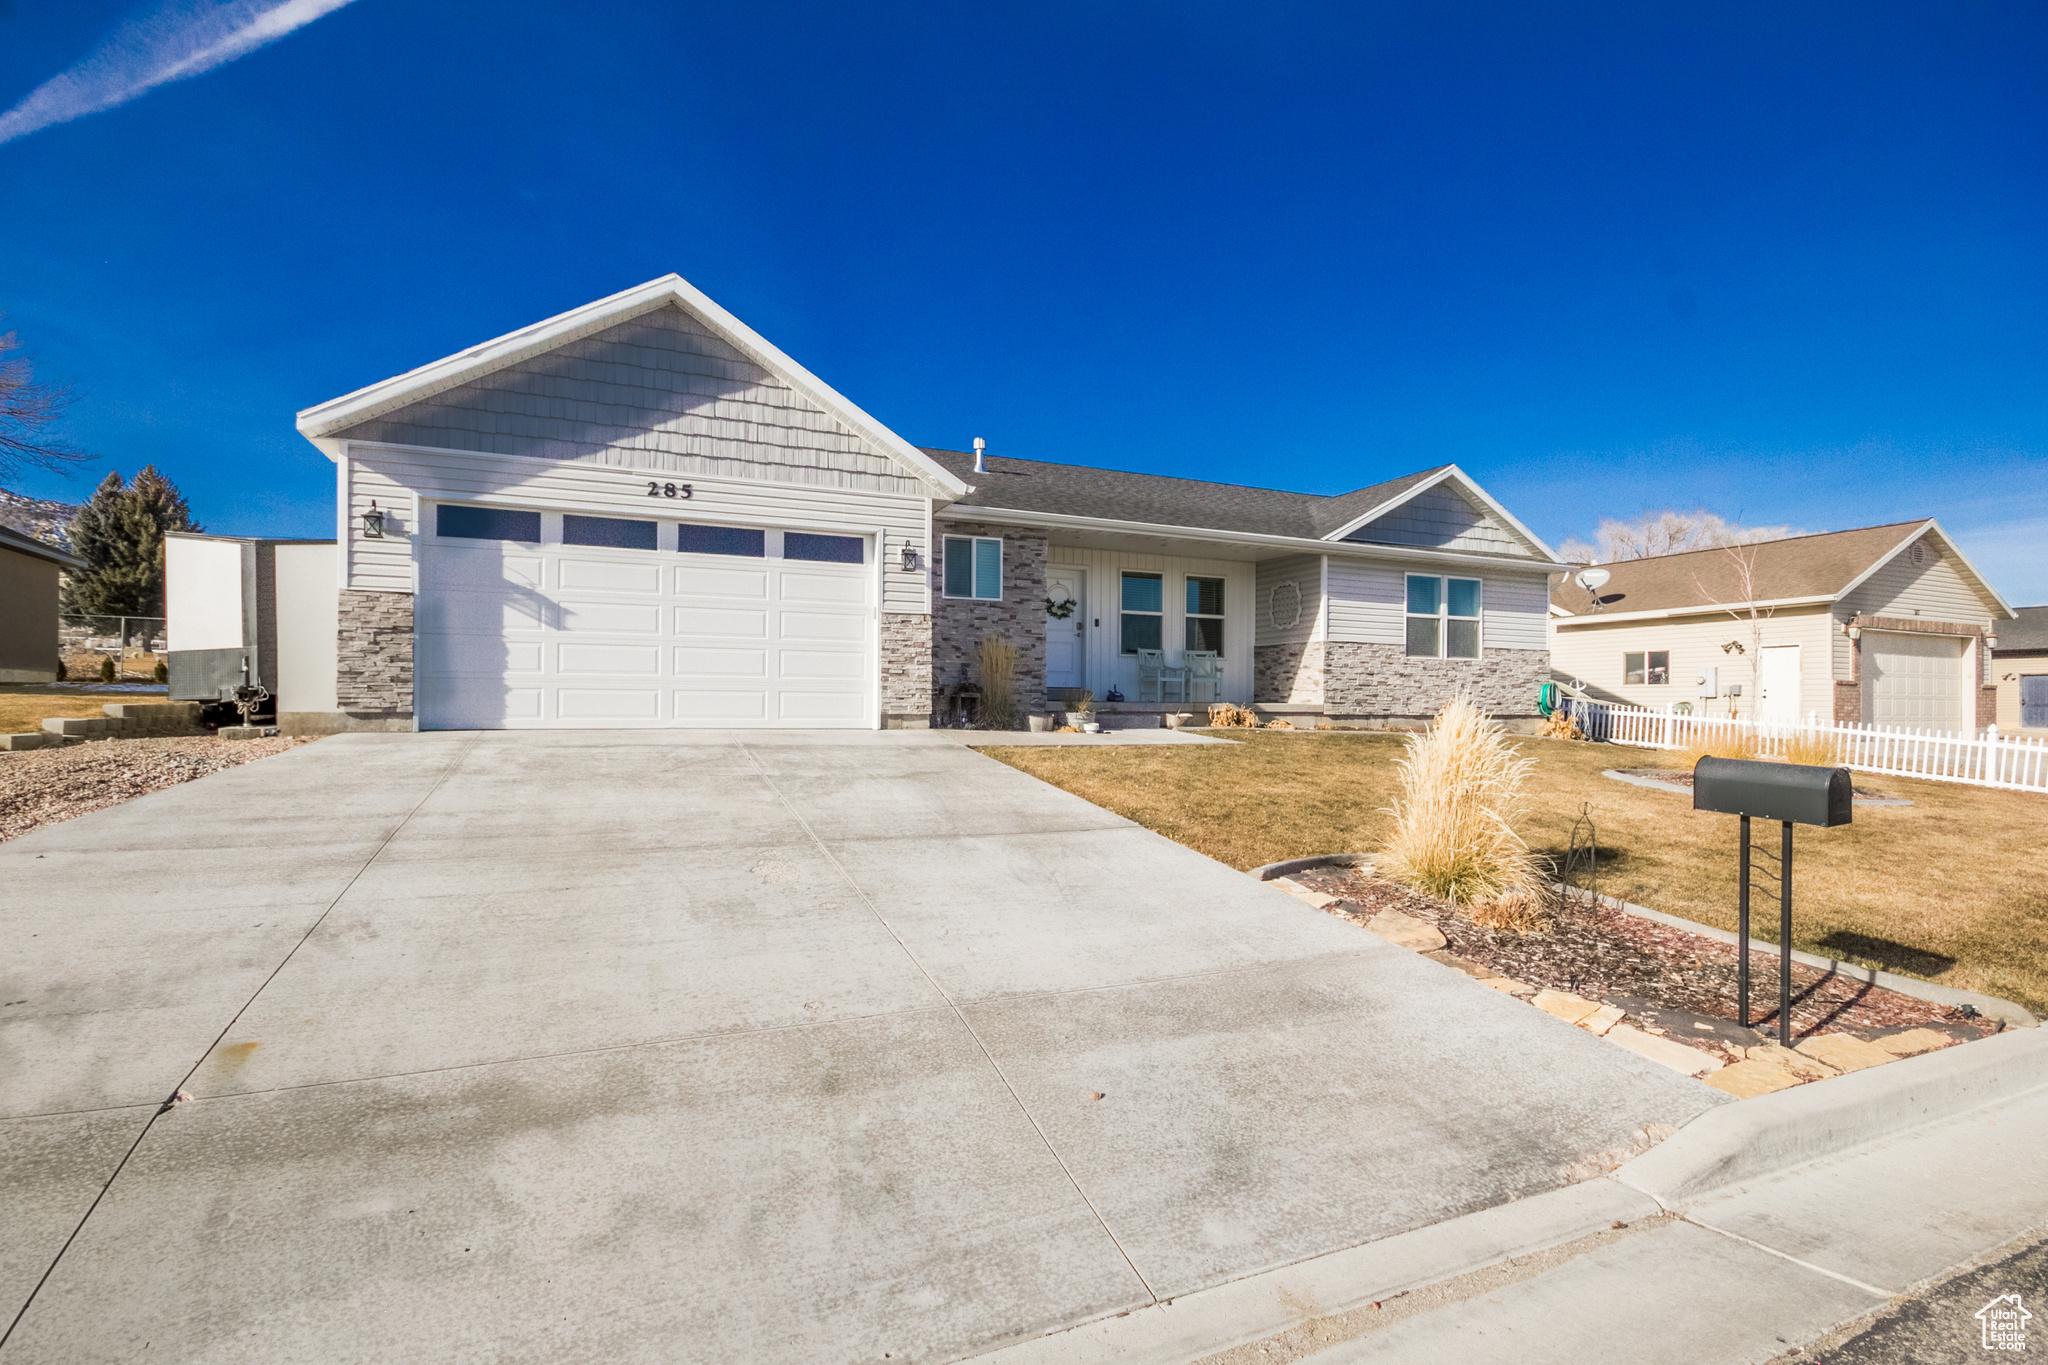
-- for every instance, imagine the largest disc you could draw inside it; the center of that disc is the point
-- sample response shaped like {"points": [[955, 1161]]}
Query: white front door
{"points": [[1915, 680], [1065, 665], [1778, 683]]}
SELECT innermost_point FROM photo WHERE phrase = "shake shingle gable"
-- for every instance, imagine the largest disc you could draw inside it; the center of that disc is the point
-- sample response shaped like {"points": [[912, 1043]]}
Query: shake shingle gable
{"points": [[1158, 500]]}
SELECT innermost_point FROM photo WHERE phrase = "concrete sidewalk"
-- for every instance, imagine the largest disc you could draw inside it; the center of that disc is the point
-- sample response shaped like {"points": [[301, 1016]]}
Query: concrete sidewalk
{"points": [[673, 1046]]}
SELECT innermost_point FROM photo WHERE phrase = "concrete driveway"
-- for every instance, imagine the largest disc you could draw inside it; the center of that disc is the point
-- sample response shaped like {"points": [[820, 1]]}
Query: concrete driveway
{"points": [[709, 1047]]}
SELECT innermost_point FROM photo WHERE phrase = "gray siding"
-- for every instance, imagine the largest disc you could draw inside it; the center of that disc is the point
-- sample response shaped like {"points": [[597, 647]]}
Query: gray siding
{"points": [[659, 393], [1368, 605], [1441, 518], [1305, 572]]}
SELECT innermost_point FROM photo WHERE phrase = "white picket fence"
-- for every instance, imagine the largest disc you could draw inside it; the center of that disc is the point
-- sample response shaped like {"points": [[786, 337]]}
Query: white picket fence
{"points": [[1987, 760]]}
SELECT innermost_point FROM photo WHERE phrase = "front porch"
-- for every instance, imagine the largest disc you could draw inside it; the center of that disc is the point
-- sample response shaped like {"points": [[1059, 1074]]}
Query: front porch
{"points": [[1125, 600]]}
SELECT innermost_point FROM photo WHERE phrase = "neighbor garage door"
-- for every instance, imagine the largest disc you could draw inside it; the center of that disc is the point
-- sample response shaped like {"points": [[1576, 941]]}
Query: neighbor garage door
{"points": [[546, 620], [1916, 680]]}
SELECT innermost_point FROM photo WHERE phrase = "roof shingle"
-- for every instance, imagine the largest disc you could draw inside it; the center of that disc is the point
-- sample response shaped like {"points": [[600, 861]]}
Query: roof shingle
{"points": [[1802, 566]]}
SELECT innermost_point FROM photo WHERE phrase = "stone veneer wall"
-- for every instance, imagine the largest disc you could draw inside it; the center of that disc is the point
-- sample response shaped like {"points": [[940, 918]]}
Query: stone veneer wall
{"points": [[373, 668], [1376, 682], [958, 623], [1289, 672], [906, 671]]}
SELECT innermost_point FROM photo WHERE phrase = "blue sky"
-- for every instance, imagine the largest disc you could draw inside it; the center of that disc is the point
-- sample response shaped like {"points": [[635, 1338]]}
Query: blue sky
{"points": [[1782, 262]]}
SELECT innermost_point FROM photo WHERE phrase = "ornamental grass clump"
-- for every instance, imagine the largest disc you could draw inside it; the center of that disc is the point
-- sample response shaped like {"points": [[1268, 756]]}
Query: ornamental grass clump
{"points": [[998, 684], [1461, 787]]}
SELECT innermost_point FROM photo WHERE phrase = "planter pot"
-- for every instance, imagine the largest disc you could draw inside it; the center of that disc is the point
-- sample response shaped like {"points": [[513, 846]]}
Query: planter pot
{"points": [[1077, 719], [1091, 728], [1040, 724], [1174, 722]]}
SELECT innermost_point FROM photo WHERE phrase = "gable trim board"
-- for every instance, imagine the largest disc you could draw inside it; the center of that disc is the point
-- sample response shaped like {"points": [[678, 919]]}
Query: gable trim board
{"points": [[375, 400], [1931, 527], [1449, 473]]}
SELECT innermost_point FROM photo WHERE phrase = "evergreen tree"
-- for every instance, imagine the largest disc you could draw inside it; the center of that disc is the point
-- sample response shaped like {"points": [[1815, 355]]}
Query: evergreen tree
{"points": [[119, 533]]}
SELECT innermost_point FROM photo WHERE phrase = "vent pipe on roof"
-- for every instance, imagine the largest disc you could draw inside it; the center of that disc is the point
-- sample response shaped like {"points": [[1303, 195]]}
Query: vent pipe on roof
{"points": [[979, 446]]}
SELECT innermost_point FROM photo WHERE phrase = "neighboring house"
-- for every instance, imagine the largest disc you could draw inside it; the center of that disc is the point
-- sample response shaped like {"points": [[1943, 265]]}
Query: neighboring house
{"points": [[642, 513], [1884, 624], [2019, 666], [29, 571]]}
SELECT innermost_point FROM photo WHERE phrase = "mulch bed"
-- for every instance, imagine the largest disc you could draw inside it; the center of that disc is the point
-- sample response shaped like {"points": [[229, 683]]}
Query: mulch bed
{"points": [[42, 786], [1667, 980]]}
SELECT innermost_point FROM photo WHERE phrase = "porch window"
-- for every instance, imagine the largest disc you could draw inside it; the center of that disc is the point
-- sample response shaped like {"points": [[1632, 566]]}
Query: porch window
{"points": [[1144, 612], [1443, 617], [974, 567], [1205, 614], [1652, 668]]}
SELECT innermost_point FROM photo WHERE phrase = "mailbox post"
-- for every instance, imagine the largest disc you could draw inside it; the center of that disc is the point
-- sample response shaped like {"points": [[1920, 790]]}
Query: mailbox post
{"points": [[1790, 793]]}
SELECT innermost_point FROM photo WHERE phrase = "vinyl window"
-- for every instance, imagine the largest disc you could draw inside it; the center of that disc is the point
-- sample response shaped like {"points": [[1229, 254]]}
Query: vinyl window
{"points": [[824, 549], [974, 567], [1205, 615], [457, 522], [1443, 617], [1651, 668], [1144, 612]]}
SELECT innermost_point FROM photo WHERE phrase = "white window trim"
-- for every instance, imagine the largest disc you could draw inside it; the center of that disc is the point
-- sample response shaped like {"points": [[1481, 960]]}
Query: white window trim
{"points": [[1443, 615], [972, 541], [1646, 653], [1187, 616], [1122, 611]]}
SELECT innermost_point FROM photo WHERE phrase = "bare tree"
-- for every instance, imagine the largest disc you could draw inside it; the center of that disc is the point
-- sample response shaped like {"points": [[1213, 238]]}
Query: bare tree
{"points": [[1741, 564], [29, 408], [1666, 532]]}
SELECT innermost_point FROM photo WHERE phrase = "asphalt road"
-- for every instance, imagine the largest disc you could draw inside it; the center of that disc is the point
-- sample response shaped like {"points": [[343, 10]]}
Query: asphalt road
{"points": [[1942, 1325]]}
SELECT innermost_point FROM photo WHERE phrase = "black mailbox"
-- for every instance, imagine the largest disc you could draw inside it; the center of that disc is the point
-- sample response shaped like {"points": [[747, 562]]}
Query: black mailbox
{"points": [[1791, 792]]}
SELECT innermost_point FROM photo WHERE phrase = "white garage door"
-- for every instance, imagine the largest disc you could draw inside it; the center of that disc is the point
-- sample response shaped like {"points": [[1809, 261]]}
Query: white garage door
{"points": [[636, 630], [1915, 680]]}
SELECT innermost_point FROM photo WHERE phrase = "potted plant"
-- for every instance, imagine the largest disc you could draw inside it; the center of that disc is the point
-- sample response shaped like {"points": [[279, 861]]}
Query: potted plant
{"points": [[1080, 707]]}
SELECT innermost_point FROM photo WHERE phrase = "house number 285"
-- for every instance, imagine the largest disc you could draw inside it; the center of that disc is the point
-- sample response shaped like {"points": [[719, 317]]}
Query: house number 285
{"points": [[667, 490]]}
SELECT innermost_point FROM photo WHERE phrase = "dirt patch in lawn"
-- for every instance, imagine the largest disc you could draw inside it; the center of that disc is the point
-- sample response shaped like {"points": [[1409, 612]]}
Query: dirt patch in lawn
{"points": [[43, 786], [1665, 980], [1948, 888]]}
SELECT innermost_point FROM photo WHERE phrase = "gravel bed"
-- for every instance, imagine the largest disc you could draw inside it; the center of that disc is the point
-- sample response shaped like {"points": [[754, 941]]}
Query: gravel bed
{"points": [[42, 786], [1666, 979]]}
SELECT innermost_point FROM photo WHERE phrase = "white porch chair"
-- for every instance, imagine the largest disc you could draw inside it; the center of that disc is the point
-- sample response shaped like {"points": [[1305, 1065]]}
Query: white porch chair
{"points": [[1153, 673], [1203, 668]]}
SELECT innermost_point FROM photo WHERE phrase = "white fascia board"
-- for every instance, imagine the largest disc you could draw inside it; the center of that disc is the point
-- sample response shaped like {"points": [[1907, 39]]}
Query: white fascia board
{"points": [[1918, 531], [1004, 516], [388, 395], [1466, 482], [1703, 609]]}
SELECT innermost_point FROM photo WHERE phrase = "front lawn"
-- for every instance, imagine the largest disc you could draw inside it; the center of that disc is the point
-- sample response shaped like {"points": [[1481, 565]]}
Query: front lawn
{"points": [[1949, 888], [24, 706]]}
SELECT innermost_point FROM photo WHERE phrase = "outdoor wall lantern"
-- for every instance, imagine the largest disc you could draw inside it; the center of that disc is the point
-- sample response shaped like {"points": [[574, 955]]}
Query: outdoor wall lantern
{"points": [[1853, 632], [1990, 640], [909, 558], [373, 522]]}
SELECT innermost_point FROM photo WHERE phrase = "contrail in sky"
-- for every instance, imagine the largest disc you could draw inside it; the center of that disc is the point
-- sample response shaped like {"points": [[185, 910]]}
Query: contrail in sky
{"points": [[183, 38]]}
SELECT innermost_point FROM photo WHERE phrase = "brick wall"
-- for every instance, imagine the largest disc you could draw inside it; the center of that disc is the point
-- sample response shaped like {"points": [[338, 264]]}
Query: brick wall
{"points": [[373, 668], [958, 624], [1288, 672], [906, 671], [1987, 706], [1848, 703], [1381, 681]]}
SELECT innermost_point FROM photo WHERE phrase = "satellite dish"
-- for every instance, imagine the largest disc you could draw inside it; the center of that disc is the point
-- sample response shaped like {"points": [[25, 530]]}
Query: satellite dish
{"points": [[1592, 580]]}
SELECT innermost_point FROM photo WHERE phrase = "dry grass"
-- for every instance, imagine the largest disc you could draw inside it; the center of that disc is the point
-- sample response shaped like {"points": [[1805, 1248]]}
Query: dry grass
{"points": [[1225, 716], [1517, 910], [1453, 833], [998, 684], [1738, 745], [1558, 725], [25, 707], [1948, 888]]}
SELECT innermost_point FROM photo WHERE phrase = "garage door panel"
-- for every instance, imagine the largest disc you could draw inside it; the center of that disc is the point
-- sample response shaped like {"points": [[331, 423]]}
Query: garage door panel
{"points": [[701, 660], [607, 703], [692, 580], [708, 704], [800, 663], [609, 576], [618, 660], [721, 621], [610, 618], [640, 638], [847, 589], [1916, 680], [817, 626]]}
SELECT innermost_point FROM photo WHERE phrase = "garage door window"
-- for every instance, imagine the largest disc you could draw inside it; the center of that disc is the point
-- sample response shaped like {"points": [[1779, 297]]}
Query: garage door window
{"points": [[486, 523], [616, 533], [721, 540], [823, 549]]}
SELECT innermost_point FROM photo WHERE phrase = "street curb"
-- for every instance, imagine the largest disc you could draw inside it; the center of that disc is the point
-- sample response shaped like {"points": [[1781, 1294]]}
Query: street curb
{"points": [[1733, 1143], [1206, 1321], [1929, 991]]}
